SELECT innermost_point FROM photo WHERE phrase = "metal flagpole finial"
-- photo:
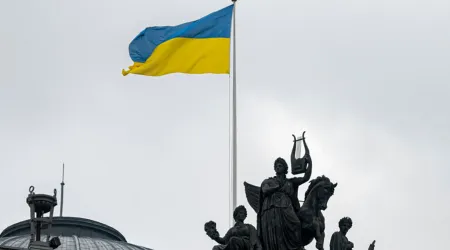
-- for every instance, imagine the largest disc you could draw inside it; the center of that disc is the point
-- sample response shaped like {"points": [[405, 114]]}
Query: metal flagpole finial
{"points": [[62, 193]]}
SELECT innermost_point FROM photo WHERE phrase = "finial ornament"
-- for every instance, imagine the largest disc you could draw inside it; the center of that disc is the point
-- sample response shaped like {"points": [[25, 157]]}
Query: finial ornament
{"points": [[41, 204]]}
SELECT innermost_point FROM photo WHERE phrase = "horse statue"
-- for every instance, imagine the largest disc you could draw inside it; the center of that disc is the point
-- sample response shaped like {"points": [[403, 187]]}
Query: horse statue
{"points": [[280, 225]]}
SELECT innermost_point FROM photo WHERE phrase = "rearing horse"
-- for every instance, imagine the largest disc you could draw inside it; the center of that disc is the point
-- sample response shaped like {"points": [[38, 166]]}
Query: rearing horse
{"points": [[310, 214]]}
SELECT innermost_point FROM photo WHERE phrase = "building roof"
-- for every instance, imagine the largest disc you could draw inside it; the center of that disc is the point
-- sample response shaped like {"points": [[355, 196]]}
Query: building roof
{"points": [[74, 233], [68, 226], [70, 243]]}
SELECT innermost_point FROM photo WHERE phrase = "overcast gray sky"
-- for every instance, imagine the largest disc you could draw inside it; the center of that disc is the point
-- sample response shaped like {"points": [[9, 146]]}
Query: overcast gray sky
{"points": [[369, 80]]}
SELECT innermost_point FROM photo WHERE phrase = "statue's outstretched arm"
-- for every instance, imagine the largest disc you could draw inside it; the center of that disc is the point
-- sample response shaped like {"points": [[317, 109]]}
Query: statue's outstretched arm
{"points": [[224, 240], [309, 169], [211, 231]]}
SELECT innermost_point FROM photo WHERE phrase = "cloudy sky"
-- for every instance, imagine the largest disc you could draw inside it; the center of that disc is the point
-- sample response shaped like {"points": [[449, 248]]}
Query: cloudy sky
{"points": [[368, 80]]}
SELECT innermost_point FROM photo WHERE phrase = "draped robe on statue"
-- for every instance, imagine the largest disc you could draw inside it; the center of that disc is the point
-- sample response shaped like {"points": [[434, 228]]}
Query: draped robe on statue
{"points": [[340, 242], [240, 237], [279, 225]]}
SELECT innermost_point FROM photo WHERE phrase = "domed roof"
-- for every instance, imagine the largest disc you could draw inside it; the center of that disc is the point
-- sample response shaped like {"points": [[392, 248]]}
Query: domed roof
{"points": [[68, 226], [74, 233], [70, 243]]}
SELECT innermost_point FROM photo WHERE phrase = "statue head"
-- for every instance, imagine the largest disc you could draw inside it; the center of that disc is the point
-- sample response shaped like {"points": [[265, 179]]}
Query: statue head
{"points": [[280, 166], [240, 214], [320, 189], [345, 224]]}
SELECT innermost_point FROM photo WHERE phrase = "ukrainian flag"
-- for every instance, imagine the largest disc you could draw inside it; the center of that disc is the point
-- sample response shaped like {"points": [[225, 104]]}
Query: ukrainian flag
{"points": [[198, 47]]}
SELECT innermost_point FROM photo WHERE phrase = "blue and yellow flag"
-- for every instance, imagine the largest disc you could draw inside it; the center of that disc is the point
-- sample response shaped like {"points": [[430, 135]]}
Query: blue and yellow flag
{"points": [[198, 47]]}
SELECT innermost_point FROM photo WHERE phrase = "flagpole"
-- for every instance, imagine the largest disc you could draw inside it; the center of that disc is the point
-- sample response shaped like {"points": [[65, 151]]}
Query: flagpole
{"points": [[233, 167]]}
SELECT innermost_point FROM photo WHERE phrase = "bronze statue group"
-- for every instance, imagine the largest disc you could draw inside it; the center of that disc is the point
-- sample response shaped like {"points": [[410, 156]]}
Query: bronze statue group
{"points": [[282, 223]]}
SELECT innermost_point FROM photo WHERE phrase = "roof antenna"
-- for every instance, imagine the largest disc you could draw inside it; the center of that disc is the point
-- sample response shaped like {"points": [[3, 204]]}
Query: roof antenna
{"points": [[62, 194]]}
